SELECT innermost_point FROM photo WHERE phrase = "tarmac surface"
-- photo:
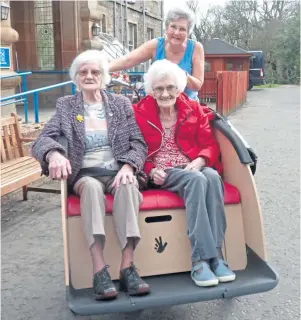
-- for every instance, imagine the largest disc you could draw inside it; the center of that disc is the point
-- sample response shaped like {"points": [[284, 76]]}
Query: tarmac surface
{"points": [[32, 248]]}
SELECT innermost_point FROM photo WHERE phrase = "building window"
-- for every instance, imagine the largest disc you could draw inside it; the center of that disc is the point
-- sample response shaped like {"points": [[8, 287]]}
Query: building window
{"points": [[234, 65], [44, 34], [239, 66], [132, 36], [207, 66], [103, 24], [229, 66], [150, 34]]}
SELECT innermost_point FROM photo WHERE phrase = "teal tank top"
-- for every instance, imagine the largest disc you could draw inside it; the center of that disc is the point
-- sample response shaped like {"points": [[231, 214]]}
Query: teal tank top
{"points": [[185, 63]]}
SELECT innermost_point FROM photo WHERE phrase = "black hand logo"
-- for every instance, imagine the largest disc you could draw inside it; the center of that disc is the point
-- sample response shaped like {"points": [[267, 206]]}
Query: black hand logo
{"points": [[159, 246]]}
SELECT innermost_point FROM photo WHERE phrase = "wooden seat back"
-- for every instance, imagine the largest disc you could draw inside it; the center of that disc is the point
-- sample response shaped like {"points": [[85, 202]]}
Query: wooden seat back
{"points": [[11, 142]]}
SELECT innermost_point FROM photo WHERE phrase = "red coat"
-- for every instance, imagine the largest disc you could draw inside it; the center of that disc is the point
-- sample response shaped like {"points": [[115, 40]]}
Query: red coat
{"points": [[194, 135]]}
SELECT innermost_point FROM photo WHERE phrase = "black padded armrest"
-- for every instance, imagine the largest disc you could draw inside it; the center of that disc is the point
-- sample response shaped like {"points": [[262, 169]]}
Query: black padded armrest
{"points": [[245, 153]]}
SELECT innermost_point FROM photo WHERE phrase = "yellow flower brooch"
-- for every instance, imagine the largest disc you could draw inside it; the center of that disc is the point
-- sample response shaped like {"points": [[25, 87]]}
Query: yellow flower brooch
{"points": [[79, 118]]}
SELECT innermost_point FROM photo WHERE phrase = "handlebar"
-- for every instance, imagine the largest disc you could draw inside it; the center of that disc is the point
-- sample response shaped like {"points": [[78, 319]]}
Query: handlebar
{"points": [[116, 82]]}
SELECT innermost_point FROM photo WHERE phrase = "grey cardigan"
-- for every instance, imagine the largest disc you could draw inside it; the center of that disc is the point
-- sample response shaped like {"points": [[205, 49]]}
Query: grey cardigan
{"points": [[124, 135]]}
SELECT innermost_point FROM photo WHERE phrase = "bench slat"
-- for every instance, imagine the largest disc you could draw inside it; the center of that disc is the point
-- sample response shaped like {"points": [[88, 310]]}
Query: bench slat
{"points": [[12, 180], [12, 175], [7, 143], [12, 165], [7, 121], [19, 135], [18, 173], [3, 154], [19, 183], [14, 140]]}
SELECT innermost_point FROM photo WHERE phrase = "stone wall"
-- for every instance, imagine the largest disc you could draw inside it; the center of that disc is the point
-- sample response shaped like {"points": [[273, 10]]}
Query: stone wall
{"points": [[73, 22], [116, 25], [8, 36], [114, 16]]}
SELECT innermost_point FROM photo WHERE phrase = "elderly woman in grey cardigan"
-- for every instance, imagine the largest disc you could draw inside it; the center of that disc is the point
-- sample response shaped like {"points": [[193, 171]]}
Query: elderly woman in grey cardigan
{"points": [[106, 152]]}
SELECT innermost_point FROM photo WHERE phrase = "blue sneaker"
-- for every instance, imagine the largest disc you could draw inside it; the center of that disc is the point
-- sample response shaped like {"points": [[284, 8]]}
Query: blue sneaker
{"points": [[206, 277], [222, 271]]}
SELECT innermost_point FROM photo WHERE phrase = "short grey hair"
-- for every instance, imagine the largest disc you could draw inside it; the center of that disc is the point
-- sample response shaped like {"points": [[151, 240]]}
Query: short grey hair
{"points": [[91, 56], [164, 68], [177, 13]]}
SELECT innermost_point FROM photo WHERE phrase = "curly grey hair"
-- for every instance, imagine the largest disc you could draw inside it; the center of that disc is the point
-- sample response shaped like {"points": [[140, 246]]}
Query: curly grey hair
{"points": [[91, 56], [164, 68], [177, 13]]}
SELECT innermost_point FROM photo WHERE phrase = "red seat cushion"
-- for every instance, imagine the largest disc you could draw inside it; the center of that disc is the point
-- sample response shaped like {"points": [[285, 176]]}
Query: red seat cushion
{"points": [[154, 200]]}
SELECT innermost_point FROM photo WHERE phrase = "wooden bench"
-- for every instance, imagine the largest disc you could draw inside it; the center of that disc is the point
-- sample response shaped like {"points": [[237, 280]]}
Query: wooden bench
{"points": [[17, 168]]}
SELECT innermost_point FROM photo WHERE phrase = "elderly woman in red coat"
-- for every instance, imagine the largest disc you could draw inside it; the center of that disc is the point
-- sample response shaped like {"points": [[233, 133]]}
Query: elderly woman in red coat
{"points": [[183, 156]]}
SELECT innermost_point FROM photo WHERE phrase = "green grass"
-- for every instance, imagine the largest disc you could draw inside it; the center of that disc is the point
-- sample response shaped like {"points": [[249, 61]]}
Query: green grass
{"points": [[268, 85]]}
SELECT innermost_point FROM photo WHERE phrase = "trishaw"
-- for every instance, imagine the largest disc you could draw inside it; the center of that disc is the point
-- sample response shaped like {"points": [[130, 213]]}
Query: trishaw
{"points": [[163, 255]]}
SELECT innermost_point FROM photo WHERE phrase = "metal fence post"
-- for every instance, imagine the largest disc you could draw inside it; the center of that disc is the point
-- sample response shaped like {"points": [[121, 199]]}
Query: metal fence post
{"points": [[73, 88], [36, 106]]}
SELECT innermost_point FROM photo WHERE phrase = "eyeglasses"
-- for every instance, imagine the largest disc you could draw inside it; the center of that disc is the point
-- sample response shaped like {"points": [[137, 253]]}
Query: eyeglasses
{"points": [[84, 73], [177, 28], [170, 89]]}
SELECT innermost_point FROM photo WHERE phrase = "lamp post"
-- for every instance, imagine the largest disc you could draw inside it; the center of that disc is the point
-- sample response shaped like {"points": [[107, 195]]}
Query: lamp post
{"points": [[4, 11], [95, 29]]}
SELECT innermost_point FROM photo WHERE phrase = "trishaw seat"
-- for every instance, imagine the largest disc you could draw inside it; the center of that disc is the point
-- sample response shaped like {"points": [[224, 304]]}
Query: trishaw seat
{"points": [[154, 199]]}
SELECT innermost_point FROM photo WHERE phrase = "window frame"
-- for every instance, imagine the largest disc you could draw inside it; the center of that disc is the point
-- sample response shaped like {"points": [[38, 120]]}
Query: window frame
{"points": [[38, 24], [132, 28]]}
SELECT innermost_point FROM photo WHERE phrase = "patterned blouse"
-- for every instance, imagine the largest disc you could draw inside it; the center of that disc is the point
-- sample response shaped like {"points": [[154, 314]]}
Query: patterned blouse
{"points": [[170, 156], [98, 152]]}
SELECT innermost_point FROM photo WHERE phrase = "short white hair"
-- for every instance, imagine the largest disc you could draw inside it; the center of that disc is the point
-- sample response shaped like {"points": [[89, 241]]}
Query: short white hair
{"points": [[164, 68], [177, 13], [91, 56]]}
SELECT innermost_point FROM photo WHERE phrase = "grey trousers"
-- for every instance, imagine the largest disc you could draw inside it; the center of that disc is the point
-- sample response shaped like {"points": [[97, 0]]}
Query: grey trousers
{"points": [[127, 200], [203, 193]]}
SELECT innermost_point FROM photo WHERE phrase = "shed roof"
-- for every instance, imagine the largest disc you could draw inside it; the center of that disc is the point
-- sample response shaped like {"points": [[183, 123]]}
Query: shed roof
{"points": [[220, 47]]}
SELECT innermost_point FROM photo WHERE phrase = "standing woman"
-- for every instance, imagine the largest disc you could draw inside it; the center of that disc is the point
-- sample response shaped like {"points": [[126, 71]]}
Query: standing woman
{"points": [[175, 47]]}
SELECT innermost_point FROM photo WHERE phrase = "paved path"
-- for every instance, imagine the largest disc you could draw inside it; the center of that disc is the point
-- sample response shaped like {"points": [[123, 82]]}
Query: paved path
{"points": [[32, 252]]}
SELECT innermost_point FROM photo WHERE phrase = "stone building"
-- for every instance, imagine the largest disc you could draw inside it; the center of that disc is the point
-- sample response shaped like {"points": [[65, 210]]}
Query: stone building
{"points": [[8, 37], [45, 36]]}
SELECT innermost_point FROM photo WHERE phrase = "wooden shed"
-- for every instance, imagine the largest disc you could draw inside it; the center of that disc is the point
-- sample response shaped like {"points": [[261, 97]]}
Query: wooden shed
{"points": [[221, 56]]}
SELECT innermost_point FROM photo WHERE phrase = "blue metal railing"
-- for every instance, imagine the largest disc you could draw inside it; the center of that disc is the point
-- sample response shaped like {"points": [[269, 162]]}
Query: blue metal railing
{"points": [[35, 94], [46, 72], [16, 75], [10, 102], [50, 72], [23, 76], [24, 94]]}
